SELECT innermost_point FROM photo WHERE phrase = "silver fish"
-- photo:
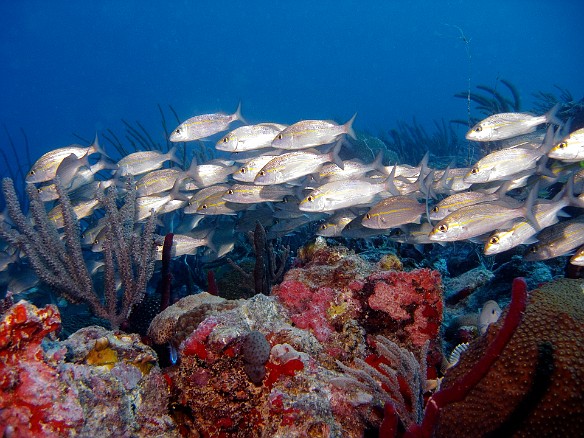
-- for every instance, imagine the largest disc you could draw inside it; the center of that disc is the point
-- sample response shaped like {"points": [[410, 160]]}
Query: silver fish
{"points": [[81, 210], [459, 200], [158, 181], [250, 137], [211, 173], [204, 126], [247, 221], [90, 234], [215, 204], [85, 176], [546, 213], [251, 194], [284, 226], [310, 133], [413, 234], [293, 165], [250, 169], [145, 205], [22, 281], [557, 240], [474, 220], [356, 230], [351, 169], [196, 200], [45, 168], [342, 194], [450, 181], [570, 149], [183, 244], [503, 164], [333, 226], [507, 125], [393, 212], [145, 161]]}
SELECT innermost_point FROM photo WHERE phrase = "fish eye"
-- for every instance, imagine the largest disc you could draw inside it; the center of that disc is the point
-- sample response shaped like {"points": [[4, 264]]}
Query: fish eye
{"points": [[323, 226], [261, 173], [310, 199], [230, 192], [39, 190], [474, 170], [204, 206], [563, 145], [533, 249], [224, 139], [177, 131], [31, 172], [279, 136], [96, 241], [242, 170], [478, 128], [367, 216], [494, 240], [443, 228], [435, 209]]}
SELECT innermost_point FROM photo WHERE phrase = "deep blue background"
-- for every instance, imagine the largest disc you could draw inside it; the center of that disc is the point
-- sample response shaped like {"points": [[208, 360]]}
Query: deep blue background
{"points": [[82, 66]]}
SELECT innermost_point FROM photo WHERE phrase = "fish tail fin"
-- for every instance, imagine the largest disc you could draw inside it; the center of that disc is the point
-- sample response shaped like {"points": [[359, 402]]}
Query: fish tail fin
{"points": [[95, 148], [172, 155], [209, 241], [377, 163], [237, 115], [175, 192], [349, 127], [192, 170], [568, 193], [423, 166], [105, 163], [334, 154], [549, 140], [528, 206], [551, 115], [503, 189], [390, 184]]}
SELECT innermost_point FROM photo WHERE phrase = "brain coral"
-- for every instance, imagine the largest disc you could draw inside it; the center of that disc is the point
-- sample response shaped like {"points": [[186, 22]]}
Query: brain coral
{"points": [[536, 386]]}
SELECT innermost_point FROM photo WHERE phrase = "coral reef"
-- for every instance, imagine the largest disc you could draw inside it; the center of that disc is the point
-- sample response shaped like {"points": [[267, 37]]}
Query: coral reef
{"points": [[97, 380], [301, 342], [534, 386]]}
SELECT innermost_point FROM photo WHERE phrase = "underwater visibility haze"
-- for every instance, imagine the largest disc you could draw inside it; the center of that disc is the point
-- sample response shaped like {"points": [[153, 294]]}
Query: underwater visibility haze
{"points": [[251, 219]]}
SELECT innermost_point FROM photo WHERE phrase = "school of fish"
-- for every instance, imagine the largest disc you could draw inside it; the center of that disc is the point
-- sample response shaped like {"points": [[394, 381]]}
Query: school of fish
{"points": [[288, 176]]}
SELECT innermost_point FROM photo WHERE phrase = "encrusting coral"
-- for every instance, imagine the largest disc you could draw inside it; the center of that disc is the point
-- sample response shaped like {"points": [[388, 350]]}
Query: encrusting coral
{"points": [[535, 387], [96, 380]]}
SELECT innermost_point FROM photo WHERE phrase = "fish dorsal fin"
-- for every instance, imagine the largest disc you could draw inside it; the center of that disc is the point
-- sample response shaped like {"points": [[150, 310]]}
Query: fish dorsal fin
{"points": [[455, 355]]}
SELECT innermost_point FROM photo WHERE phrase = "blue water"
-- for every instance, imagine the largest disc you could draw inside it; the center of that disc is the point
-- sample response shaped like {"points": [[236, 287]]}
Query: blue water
{"points": [[81, 67]]}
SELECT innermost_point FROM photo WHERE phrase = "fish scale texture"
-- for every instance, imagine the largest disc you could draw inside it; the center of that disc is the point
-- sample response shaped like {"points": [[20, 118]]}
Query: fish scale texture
{"points": [[536, 387]]}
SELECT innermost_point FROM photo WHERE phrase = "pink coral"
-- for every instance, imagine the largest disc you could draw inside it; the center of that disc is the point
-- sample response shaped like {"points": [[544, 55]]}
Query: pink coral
{"points": [[307, 307], [412, 300]]}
